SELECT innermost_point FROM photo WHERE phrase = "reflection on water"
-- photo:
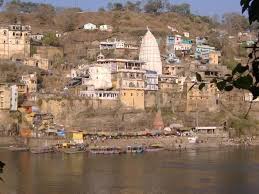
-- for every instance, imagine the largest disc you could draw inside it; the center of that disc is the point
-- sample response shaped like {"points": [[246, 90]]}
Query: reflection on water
{"points": [[204, 172]]}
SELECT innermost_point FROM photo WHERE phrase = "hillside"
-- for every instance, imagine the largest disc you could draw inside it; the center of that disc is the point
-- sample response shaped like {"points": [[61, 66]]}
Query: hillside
{"points": [[129, 26]]}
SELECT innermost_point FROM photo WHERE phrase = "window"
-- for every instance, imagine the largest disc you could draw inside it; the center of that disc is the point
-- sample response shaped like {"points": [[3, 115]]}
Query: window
{"points": [[131, 94]]}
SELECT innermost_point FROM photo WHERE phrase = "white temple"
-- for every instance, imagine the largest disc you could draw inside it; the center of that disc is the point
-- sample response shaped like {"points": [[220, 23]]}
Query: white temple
{"points": [[150, 54]]}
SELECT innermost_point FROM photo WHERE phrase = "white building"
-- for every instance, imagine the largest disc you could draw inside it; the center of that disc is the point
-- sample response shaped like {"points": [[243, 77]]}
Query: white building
{"points": [[186, 34], [101, 95], [90, 26], [116, 44], [106, 27], [150, 54], [37, 37], [151, 81], [14, 98], [99, 78]]}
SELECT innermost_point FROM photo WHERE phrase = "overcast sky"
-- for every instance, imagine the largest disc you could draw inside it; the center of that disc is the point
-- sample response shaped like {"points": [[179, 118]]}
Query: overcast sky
{"points": [[203, 7]]}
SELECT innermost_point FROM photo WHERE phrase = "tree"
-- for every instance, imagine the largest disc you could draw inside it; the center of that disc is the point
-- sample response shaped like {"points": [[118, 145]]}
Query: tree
{"points": [[235, 23], [245, 77], [50, 39], [1, 169], [183, 9], [155, 6], [131, 6], [45, 13]]}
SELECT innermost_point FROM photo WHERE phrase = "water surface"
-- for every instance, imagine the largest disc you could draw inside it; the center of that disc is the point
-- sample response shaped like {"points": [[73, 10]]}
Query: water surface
{"points": [[197, 172]]}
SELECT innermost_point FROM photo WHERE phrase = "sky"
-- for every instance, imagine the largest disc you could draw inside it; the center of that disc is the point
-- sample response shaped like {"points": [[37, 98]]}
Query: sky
{"points": [[202, 7]]}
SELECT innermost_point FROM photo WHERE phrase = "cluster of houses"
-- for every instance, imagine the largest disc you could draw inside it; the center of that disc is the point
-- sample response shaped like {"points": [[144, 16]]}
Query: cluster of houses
{"points": [[130, 82]]}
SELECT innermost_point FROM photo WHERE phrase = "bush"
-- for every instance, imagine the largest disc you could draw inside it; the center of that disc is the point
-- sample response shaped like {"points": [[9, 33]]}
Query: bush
{"points": [[50, 39]]}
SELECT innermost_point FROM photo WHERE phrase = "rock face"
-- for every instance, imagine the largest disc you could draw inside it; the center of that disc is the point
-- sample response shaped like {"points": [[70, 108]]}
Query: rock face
{"points": [[150, 54]]}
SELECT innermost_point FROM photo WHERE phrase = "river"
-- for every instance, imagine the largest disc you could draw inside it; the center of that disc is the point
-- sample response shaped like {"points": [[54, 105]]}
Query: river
{"points": [[224, 171]]}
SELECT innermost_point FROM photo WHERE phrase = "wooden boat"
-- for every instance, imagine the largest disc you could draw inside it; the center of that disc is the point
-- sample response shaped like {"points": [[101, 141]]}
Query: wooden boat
{"points": [[18, 148], [107, 150], [135, 149], [154, 148], [41, 150]]}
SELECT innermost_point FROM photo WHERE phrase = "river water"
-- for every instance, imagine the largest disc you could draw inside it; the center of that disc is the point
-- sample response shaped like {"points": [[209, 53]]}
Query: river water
{"points": [[223, 171]]}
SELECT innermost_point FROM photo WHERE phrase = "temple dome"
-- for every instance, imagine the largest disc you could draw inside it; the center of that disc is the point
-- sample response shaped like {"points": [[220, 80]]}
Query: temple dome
{"points": [[150, 54]]}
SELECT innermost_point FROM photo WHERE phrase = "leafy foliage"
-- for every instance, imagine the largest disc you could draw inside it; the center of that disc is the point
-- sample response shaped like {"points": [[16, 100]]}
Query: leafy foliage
{"points": [[252, 7], [50, 39], [1, 169], [183, 9], [244, 77]]}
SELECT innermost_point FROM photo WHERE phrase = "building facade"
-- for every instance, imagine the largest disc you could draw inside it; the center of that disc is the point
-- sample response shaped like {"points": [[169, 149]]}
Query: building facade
{"points": [[8, 97], [31, 82], [37, 61], [215, 57], [15, 42], [99, 78], [151, 81], [203, 52]]}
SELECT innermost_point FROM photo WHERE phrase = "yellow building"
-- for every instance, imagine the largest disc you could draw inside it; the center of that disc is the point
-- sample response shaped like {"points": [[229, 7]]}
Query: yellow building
{"points": [[133, 98], [128, 77], [215, 57], [76, 137], [15, 42], [201, 100]]}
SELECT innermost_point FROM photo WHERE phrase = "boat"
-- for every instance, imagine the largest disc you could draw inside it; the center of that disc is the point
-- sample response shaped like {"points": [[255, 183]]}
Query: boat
{"points": [[135, 149], [154, 148], [41, 150], [18, 148], [107, 150]]}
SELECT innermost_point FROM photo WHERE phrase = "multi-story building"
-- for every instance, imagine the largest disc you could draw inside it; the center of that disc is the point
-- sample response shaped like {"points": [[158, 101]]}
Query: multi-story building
{"points": [[15, 42], [203, 52], [31, 82], [8, 97], [128, 77], [14, 98], [99, 78], [151, 81], [215, 57], [173, 69], [177, 43], [170, 83]]}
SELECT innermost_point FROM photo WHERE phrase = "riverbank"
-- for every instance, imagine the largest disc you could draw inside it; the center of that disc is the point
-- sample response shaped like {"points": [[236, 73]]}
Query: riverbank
{"points": [[169, 143]]}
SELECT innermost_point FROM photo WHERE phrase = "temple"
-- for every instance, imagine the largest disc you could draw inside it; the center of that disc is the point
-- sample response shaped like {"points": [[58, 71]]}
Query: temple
{"points": [[150, 54]]}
